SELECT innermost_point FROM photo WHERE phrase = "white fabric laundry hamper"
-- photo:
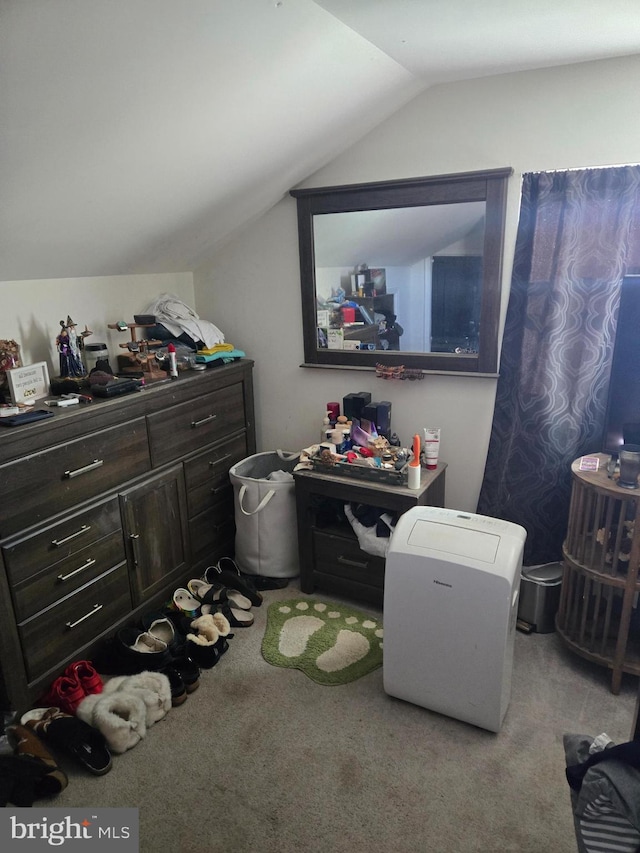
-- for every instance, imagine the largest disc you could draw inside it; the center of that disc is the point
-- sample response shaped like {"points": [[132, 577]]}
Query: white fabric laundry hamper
{"points": [[265, 514]]}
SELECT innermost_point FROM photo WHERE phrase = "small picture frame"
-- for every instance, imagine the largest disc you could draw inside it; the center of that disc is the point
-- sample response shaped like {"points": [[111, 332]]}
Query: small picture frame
{"points": [[589, 463], [322, 318], [29, 383], [335, 338]]}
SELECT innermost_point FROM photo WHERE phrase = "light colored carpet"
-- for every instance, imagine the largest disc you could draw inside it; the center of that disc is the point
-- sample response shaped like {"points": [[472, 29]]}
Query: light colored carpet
{"points": [[332, 644], [261, 759]]}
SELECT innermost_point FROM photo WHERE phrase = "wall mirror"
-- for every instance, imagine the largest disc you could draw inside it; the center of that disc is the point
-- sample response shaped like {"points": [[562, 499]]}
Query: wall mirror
{"points": [[403, 272]]}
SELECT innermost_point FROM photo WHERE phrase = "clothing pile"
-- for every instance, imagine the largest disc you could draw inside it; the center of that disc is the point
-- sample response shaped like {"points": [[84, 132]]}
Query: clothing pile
{"points": [[604, 779], [178, 319], [373, 527]]}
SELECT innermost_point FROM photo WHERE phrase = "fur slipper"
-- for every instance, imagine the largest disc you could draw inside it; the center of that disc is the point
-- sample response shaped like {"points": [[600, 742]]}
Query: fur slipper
{"points": [[203, 639], [152, 687], [210, 641], [207, 630], [120, 716], [213, 625], [222, 624]]}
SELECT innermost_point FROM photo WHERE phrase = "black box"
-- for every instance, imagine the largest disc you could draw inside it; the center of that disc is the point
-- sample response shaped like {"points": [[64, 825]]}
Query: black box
{"points": [[353, 404], [384, 418], [115, 388], [370, 413], [380, 415]]}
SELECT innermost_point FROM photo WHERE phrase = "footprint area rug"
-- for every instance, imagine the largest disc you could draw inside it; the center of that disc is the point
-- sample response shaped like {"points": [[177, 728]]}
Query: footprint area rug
{"points": [[329, 642]]}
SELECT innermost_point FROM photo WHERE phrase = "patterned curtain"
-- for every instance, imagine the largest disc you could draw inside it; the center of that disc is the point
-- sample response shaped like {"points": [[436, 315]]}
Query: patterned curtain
{"points": [[579, 233]]}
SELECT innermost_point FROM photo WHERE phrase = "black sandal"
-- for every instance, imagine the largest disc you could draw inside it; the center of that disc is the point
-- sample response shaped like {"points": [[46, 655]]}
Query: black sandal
{"points": [[237, 618], [227, 572], [71, 735], [210, 592]]}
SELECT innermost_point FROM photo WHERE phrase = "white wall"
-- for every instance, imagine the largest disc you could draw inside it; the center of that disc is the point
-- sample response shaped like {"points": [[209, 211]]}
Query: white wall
{"points": [[558, 118], [31, 311], [576, 115]]}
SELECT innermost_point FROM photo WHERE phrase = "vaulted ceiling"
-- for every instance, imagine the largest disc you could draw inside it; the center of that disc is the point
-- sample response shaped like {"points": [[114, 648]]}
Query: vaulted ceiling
{"points": [[140, 135]]}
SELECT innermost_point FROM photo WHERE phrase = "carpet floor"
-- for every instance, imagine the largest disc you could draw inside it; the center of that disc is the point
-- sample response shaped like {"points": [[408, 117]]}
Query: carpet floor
{"points": [[262, 759]]}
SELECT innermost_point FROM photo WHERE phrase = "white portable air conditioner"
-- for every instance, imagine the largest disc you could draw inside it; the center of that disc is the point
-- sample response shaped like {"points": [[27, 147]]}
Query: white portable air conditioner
{"points": [[450, 608]]}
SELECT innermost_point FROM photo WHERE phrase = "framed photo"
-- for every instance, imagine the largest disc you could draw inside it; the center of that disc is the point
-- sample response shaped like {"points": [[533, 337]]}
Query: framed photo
{"points": [[28, 384], [335, 339], [322, 318], [589, 463]]}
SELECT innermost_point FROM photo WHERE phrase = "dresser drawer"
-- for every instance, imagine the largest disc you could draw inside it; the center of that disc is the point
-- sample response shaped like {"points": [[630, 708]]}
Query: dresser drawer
{"points": [[215, 528], [46, 483], [342, 557], [58, 632], [30, 555], [187, 427], [207, 475], [68, 575]]}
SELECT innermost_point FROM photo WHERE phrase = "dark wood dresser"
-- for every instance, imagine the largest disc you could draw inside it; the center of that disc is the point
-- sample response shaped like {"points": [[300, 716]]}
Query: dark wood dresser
{"points": [[108, 507]]}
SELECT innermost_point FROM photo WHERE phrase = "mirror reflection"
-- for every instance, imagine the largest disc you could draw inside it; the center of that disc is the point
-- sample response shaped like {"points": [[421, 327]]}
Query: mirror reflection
{"points": [[403, 273], [400, 279]]}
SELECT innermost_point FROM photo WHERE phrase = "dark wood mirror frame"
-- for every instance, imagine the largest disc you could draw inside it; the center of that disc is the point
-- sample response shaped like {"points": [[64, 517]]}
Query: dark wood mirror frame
{"points": [[488, 186]]}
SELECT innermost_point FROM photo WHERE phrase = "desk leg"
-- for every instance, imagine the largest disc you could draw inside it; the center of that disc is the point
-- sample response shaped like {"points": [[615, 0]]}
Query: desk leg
{"points": [[305, 539]]}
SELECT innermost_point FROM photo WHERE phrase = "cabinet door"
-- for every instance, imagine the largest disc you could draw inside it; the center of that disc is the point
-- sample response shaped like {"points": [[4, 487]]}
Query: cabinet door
{"points": [[155, 528]]}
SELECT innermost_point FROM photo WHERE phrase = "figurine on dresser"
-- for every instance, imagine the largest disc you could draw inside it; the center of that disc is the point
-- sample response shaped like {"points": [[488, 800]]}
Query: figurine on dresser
{"points": [[68, 345]]}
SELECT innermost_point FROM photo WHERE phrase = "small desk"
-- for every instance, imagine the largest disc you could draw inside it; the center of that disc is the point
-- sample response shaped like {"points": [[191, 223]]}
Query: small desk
{"points": [[330, 556]]}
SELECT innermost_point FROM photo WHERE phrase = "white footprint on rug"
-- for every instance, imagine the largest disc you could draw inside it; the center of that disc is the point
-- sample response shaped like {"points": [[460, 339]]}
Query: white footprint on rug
{"points": [[350, 647], [296, 633]]}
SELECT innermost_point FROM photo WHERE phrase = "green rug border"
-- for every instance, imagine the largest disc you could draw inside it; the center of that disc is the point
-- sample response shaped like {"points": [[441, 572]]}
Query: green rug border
{"points": [[316, 645]]}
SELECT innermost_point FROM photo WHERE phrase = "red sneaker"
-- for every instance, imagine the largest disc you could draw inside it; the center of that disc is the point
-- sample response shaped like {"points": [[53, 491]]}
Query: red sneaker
{"points": [[84, 672], [65, 693]]}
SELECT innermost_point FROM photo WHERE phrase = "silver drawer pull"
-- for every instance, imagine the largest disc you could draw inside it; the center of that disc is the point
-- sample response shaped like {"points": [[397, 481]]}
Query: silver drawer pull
{"points": [[134, 537], [86, 565], [222, 488], [97, 463], [206, 420], [219, 461], [58, 542], [354, 563], [96, 607]]}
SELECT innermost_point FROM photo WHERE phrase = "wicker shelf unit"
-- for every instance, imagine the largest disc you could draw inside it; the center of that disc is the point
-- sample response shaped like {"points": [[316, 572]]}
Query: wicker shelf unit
{"points": [[598, 613]]}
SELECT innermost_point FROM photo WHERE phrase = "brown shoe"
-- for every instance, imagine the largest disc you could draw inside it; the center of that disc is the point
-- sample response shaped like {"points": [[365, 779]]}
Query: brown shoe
{"points": [[26, 743], [69, 734]]}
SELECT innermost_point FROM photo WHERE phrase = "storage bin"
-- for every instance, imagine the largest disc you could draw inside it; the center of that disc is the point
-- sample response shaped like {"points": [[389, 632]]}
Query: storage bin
{"points": [[265, 514], [349, 315], [540, 596]]}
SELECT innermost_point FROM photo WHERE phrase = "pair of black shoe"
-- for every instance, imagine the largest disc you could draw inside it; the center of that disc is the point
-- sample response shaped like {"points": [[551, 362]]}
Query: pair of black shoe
{"points": [[154, 646], [227, 573]]}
